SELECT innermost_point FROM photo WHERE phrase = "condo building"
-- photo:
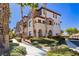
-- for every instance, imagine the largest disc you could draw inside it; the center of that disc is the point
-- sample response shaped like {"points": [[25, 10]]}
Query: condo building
{"points": [[44, 23]]}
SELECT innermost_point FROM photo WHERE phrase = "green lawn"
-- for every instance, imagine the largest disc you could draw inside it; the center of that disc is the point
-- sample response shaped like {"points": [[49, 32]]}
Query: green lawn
{"points": [[62, 50]]}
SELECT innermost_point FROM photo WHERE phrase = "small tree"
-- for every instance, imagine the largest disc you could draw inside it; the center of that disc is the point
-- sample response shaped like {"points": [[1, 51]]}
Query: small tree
{"points": [[11, 33], [71, 31]]}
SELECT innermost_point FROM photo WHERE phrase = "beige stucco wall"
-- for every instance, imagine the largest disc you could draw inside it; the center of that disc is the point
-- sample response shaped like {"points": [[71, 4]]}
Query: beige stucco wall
{"points": [[49, 27], [55, 28], [49, 14], [39, 26]]}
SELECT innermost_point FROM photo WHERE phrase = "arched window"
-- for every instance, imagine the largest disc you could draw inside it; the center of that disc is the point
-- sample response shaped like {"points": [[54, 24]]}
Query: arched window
{"points": [[40, 33], [50, 33]]}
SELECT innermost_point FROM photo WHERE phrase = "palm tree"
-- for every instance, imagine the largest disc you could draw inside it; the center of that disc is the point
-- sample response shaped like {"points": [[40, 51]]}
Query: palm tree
{"points": [[6, 23], [33, 7], [22, 5], [44, 5]]}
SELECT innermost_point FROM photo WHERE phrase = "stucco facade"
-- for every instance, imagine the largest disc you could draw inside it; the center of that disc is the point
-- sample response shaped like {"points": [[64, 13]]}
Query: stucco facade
{"points": [[46, 22]]}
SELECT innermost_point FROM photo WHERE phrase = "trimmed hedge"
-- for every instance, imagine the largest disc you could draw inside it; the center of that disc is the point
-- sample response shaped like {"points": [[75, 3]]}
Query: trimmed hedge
{"points": [[48, 41], [44, 40]]}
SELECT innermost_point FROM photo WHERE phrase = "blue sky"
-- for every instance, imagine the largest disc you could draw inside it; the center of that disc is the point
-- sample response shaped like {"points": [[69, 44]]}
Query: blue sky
{"points": [[69, 12]]}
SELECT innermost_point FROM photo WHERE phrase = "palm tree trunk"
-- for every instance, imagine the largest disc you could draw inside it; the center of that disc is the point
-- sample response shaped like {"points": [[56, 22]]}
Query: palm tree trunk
{"points": [[21, 12], [22, 23], [44, 5], [46, 25], [33, 18]]}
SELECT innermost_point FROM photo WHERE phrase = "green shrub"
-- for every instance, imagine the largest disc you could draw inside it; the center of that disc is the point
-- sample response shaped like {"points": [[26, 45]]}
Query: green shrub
{"points": [[19, 49], [38, 46], [60, 39], [62, 50], [35, 38], [62, 46], [35, 42], [14, 44], [15, 54], [42, 40]]}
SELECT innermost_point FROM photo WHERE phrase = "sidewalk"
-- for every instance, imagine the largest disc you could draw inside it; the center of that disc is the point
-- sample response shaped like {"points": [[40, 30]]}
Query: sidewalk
{"points": [[31, 50]]}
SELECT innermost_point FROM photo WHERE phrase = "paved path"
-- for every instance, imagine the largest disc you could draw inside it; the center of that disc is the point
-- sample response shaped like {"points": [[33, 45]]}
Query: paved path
{"points": [[31, 50]]}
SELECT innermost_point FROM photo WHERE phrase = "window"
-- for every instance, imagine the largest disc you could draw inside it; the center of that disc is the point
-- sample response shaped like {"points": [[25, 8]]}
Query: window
{"points": [[57, 34], [30, 33], [54, 15], [54, 23], [50, 33], [39, 21], [44, 12], [43, 22], [40, 33], [29, 23], [50, 22]]}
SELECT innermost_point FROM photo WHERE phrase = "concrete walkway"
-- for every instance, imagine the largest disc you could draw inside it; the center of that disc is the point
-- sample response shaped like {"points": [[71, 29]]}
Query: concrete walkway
{"points": [[31, 50]]}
